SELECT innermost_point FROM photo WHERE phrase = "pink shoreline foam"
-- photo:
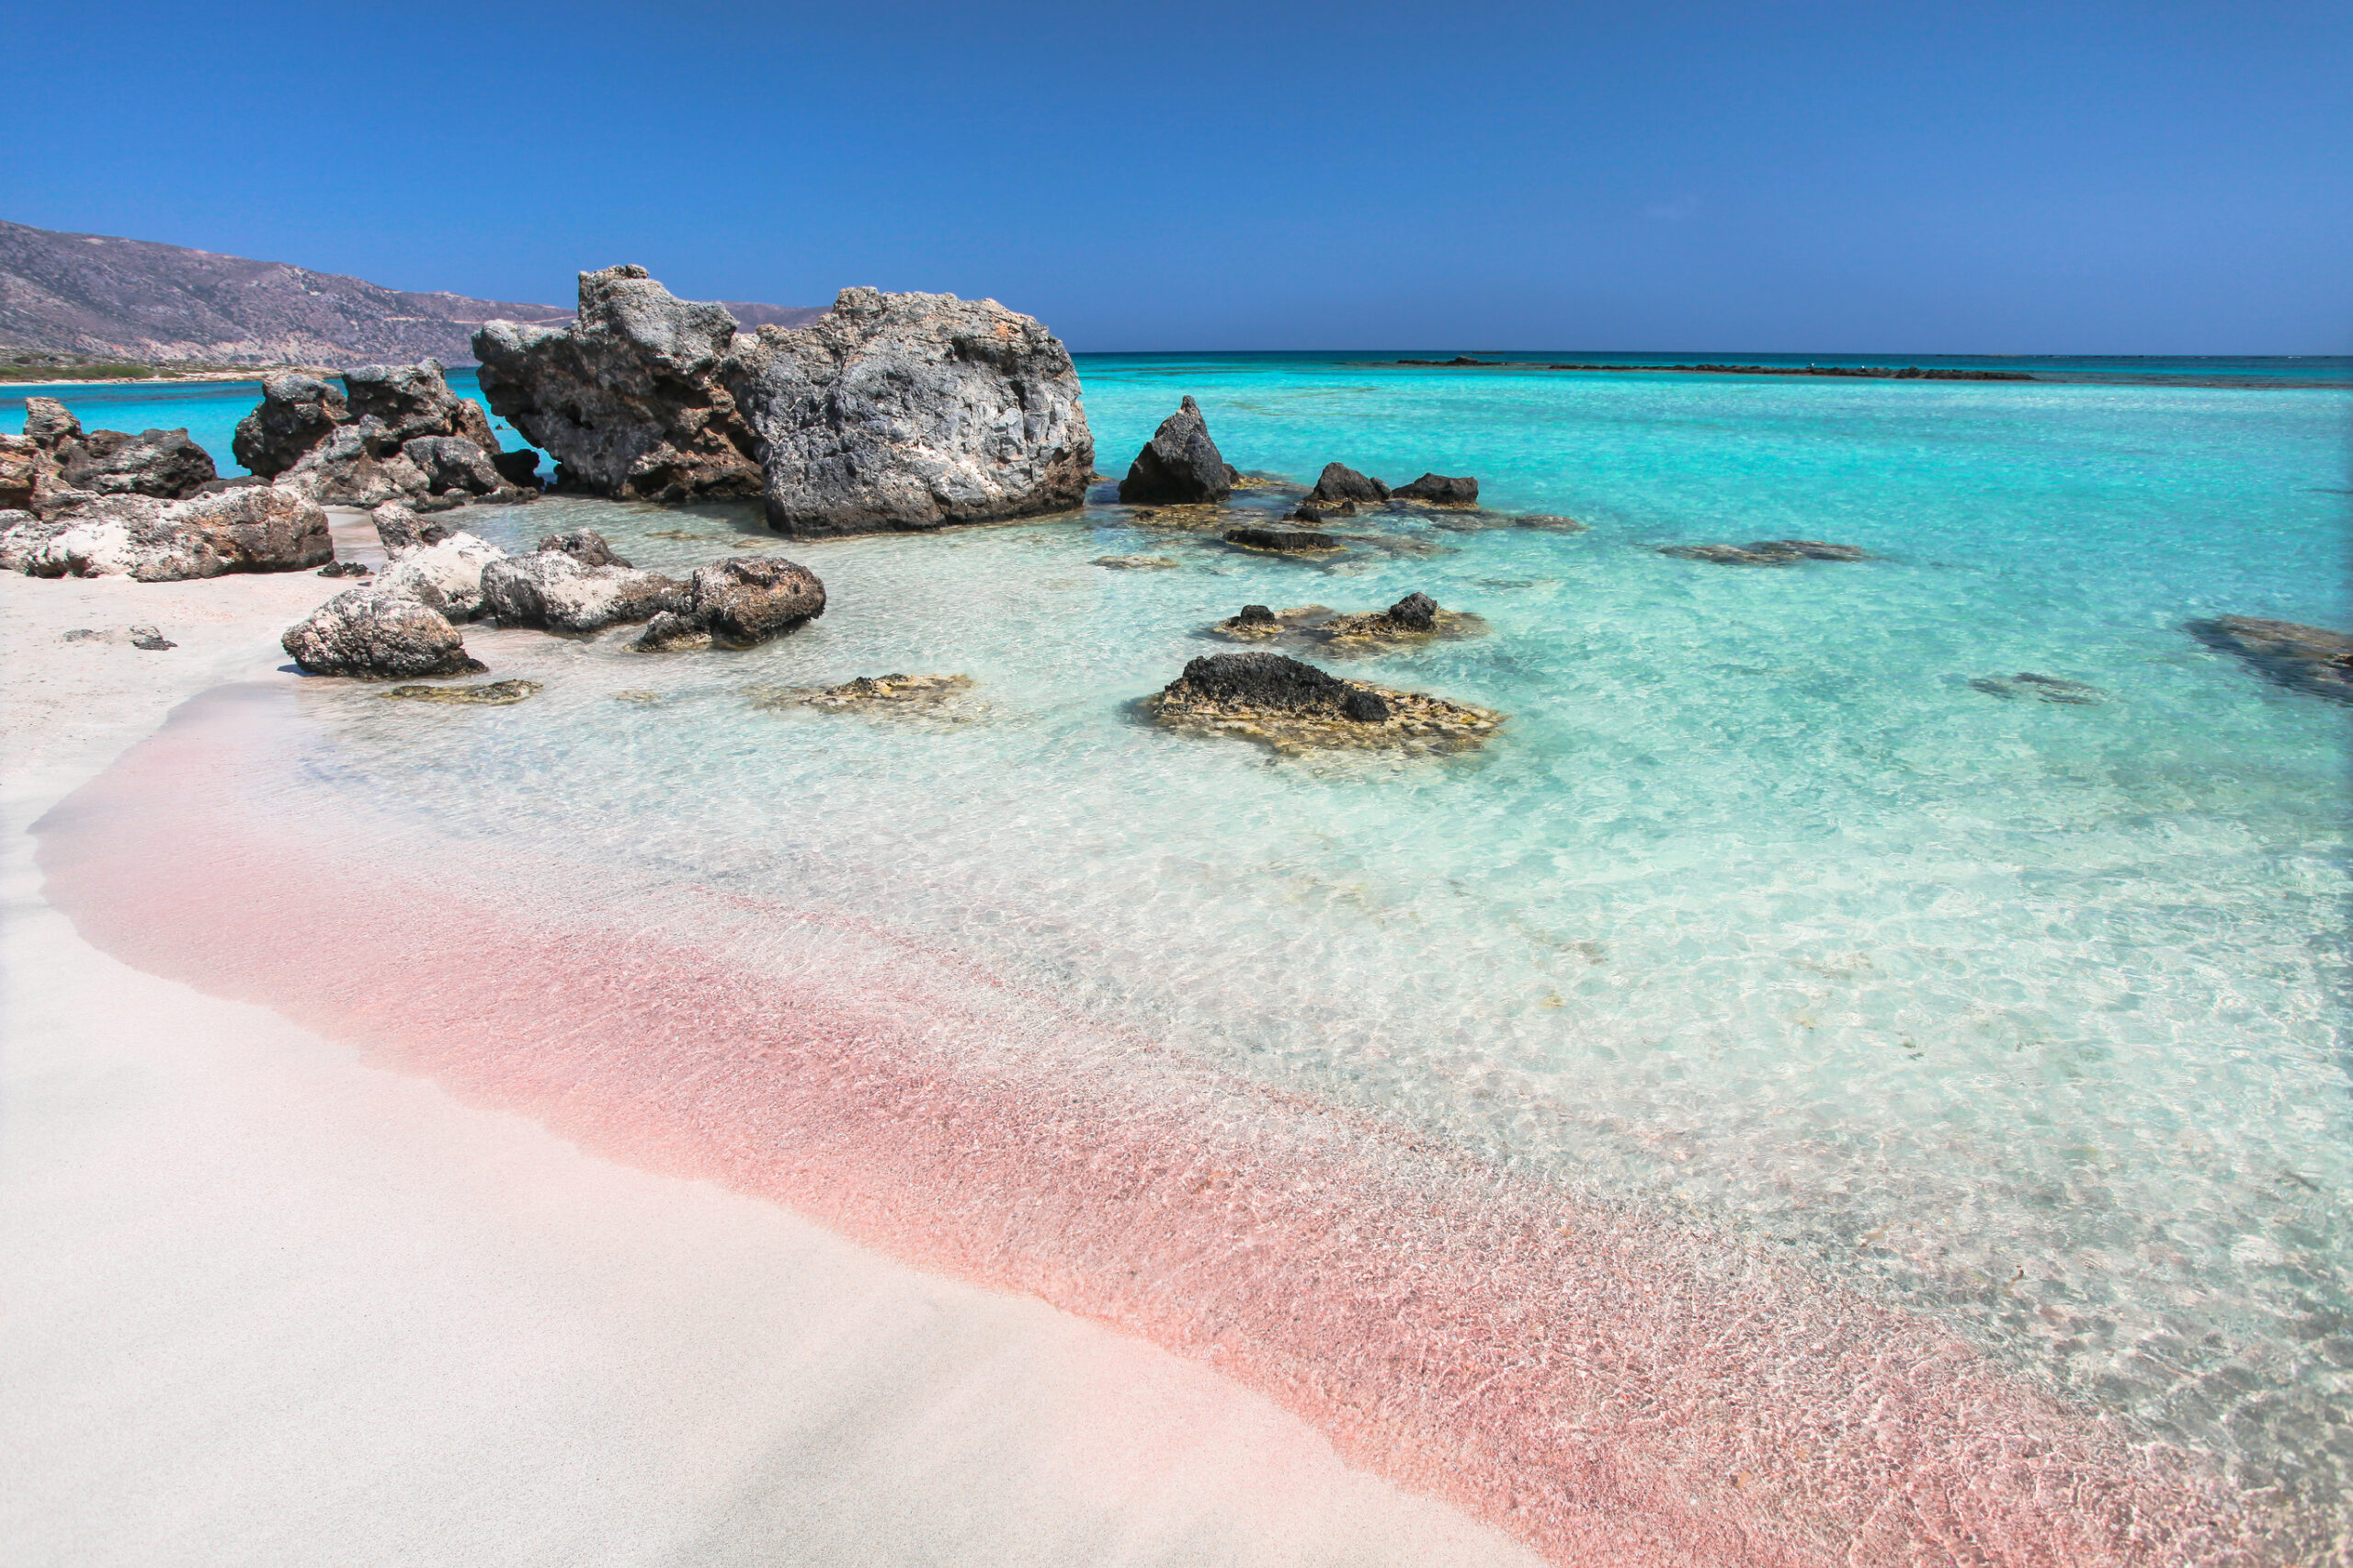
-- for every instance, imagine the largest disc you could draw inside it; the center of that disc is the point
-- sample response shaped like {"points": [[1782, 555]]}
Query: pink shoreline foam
{"points": [[1612, 1390]]}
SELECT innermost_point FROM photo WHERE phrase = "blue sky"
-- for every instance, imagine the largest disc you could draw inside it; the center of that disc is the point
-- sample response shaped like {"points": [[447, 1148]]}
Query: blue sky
{"points": [[1967, 178]]}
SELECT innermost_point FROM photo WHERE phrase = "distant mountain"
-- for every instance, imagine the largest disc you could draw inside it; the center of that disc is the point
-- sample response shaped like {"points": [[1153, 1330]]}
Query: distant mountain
{"points": [[138, 299]]}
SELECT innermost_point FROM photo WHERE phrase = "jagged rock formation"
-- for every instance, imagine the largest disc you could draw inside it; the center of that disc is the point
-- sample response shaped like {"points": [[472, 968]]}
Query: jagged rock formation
{"points": [[912, 411], [296, 413], [251, 529], [575, 583], [378, 635], [627, 397], [396, 432], [61, 458], [1181, 464]]}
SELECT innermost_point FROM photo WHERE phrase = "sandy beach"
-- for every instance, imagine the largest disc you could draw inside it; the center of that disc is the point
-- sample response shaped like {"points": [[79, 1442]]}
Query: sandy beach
{"points": [[267, 1302]]}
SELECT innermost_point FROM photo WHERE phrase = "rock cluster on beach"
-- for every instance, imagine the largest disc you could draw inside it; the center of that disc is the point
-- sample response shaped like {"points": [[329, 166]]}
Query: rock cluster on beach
{"points": [[251, 529], [56, 467], [394, 433], [1294, 707], [889, 412], [2302, 658]]}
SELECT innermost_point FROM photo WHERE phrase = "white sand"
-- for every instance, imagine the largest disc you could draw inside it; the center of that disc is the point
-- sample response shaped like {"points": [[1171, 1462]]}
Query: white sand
{"points": [[262, 1303]]}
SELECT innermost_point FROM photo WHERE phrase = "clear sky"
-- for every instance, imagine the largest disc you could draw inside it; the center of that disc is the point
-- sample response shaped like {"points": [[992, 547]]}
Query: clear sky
{"points": [[1981, 177]]}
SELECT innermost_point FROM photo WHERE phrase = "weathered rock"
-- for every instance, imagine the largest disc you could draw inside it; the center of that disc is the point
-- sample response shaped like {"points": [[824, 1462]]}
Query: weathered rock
{"points": [[560, 592], [672, 633], [1255, 615], [161, 464], [1296, 707], [494, 694], [257, 529], [2302, 658], [2045, 689], [23, 466], [399, 528], [1139, 562], [453, 463], [1441, 490], [1261, 623], [750, 598], [1181, 464], [445, 575], [628, 399], [48, 424], [912, 411], [1290, 540], [296, 414], [1340, 482], [154, 541], [1416, 612], [585, 545], [394, 404], [377, 635], [344, 470]]}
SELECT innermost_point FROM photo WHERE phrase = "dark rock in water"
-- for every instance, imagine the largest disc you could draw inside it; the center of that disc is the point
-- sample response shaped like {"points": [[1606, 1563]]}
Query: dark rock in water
{"points": [[453, 463], [1365, 707], [2042, 688], [1415, 611], [628, 398], [495, 694], [899, 693], [1255, 537], [374, 635], [566, 593], [296, 414], [912, 411], [2304, 658], [1440, 489], [519, 468], [346, 569], [161, 464], [1341, 482], [1256, 615], [1303, 513], [1180, 463], [585, 545], [1766, 552], [1260, 680], [737, 603]]}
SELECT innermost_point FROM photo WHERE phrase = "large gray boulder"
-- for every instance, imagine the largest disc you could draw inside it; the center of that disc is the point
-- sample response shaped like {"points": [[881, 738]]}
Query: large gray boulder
{"points": [[345, 469], [256, 529], [737, 603], [395, 404], [296, 414], [561, 592], [453, 463], [628, 398], [376, 635], [445, 575], [165, 465], [1179, 465], [912, 411]]}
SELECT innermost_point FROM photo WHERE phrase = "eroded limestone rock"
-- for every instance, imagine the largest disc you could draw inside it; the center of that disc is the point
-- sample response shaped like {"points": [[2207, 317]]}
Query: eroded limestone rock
{"points": [[375, 635]]}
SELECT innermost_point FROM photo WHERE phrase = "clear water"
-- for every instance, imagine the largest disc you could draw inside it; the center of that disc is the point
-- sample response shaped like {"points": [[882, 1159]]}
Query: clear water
{"points": [[2031, 1015]]}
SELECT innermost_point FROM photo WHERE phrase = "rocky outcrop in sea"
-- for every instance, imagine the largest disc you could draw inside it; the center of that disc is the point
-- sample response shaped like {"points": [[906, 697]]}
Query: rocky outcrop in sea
{"points": [[889, 412], [394, 433], [1180, 465]]}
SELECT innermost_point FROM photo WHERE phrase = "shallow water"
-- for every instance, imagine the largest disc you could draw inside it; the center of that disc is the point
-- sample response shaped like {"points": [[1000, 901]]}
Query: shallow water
{"points": [[1760, 920]]}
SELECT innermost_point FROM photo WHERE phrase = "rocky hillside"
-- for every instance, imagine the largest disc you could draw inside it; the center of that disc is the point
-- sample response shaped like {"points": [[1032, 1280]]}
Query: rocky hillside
{"points": [[92, 294]]}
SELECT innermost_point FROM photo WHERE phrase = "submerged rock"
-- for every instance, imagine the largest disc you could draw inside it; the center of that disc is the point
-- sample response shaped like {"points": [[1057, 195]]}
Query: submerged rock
{"points": [[1439, 489], [2041, 687], [628, 399], [912, 411], [1340, 482], [561, 592], [890, 693], [1287, 540], [1259, 623], [2302, 658], [1766, 552], [1295, 707], [374, 635], [1138, 562], [1181, 464], [494, 694]]}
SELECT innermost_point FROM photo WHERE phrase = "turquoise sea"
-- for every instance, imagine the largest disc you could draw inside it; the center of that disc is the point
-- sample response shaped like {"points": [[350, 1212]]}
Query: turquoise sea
{"points": [[2028, 1015]]}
